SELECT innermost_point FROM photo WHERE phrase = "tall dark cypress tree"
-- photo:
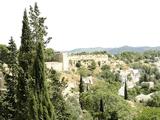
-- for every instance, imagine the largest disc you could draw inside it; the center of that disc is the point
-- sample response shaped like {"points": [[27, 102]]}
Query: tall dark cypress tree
{"points": [[81, 85], [101, 109], [125, 91], [81, 90], [25, 63], [11, 82], [45, 107]]}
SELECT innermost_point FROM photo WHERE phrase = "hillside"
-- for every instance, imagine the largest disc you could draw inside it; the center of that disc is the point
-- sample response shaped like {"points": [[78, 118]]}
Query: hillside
{"points": [[115, 50]]}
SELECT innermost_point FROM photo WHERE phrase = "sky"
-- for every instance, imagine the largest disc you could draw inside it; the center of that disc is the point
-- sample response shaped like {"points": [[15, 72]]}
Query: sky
{"points": [[87, 23]]}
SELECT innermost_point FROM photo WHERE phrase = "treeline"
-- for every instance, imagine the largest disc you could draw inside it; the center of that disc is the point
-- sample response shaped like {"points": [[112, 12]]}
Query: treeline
{"points": [[130, 57], [49, 54]]}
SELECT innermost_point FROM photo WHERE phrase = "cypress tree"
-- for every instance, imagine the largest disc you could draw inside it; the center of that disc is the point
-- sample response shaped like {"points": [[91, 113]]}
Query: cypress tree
{"points": [[25, 59], [26, 48], [81, 85], [81, 90], [45, 107], [11, 82], [101, 109], [125, 91]]}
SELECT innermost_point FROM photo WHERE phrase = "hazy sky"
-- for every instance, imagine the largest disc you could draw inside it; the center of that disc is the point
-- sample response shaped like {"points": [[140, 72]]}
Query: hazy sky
{"points": [[88, 23]]}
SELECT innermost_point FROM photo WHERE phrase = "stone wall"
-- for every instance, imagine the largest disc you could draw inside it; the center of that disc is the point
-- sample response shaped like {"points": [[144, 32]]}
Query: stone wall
{"points": [[65, 62], [68, 62], [1, 81], [86, 60], [58, 66]]}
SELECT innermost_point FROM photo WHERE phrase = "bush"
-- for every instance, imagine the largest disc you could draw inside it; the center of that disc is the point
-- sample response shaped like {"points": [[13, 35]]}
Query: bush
{"points": [[149, 114], [155, 101], [132, 93], [73, 108]]}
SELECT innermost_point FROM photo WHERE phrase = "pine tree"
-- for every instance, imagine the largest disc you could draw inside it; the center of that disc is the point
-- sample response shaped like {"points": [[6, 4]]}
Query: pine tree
{"points": [[11, 82], [25, 64], [45, 107], [38, 29], [125, 91], [12, 55]]}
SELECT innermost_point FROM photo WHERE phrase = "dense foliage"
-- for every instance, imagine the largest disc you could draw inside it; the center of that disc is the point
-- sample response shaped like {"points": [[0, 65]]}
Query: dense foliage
{"points": [[3, 53], [49, 54], [114, 106]]}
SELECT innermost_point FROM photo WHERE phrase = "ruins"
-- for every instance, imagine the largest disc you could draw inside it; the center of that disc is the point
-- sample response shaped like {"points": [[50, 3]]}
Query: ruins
{"points": [[67, 62]]}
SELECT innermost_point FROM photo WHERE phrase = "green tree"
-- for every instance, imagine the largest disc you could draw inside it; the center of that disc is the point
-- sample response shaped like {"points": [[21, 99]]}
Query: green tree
{"points": [[81, 85], [3, 53], [108, 75], [11, 82], [45, 107], [92, 66], [83, 71], [81, 90], [125, 91], [38, 29], [101, 109], [12, 56], [49, 54], [25, 59], [57, 98], [116, 106], [78, 64]]}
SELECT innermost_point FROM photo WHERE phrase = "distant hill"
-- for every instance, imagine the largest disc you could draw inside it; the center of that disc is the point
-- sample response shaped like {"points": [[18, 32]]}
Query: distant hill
{"points": [[115, 50]]}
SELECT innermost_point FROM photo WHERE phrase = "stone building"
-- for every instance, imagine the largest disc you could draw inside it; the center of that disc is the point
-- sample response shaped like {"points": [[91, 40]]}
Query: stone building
{"points": [[61, 62]]}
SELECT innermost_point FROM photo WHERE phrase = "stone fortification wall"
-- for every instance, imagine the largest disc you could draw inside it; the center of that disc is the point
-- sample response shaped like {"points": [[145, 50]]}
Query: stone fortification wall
{"points": [[67, 62], [58, 66], [1, 81], [89, 57], [86, 60]]}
